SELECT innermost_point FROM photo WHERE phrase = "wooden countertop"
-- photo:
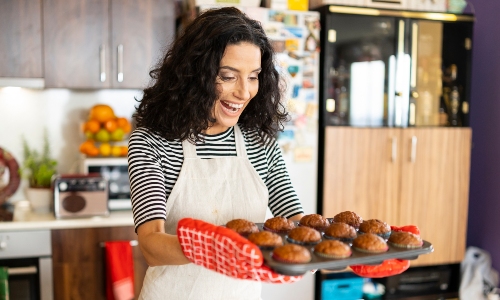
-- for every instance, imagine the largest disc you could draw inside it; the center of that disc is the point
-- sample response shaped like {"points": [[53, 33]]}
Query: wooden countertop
{"points": [[37, 221]]}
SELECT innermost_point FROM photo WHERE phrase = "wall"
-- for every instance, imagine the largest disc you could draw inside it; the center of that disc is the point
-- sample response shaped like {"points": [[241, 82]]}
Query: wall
{"points": [[484, 205], [25, 112]]}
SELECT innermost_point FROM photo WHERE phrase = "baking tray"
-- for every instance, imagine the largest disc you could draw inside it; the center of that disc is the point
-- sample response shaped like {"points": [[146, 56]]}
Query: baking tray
{"points": [[318, 262]]}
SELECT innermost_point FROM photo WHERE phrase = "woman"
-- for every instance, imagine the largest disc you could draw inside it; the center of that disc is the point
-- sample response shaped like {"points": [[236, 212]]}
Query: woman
{"points": [[205, 149]]}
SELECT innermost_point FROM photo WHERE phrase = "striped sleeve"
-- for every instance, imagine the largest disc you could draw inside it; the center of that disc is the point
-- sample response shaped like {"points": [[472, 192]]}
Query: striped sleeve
{"points": [[283, 200], [147, 180]]}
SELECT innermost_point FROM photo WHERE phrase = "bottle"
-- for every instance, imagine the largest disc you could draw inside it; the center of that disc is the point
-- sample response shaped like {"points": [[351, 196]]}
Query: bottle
{"points": [[454, 98]]}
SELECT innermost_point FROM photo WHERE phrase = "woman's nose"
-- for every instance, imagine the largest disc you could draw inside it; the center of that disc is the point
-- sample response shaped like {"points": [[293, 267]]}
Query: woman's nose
{"points": [[242, 90]]}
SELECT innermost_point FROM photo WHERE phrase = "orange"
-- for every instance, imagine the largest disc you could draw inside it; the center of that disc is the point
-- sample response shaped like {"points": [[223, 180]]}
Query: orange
{"points": [[124, 124], [111, 125], [86, 146], [92, 126], [101, 113], [94, 151], [124, 150]]}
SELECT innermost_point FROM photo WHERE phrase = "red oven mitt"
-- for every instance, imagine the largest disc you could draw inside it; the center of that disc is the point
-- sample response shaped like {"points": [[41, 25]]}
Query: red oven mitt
{"points": [[389, 267], [225, 251]]}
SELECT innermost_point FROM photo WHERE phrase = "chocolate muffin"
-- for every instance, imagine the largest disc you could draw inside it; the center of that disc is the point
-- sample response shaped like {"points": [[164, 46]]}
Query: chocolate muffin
{"points": [[279, 224], [370, 243], [340, 231], [333, 249], [304, 235], [403, 239], [315, 221], [375, 226], [266, 239], [291, 253], [348, 217], [242, 226]]}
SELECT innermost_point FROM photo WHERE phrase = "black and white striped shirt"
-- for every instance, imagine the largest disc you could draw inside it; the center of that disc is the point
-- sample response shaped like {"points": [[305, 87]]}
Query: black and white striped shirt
{"points": [[154, 164]]}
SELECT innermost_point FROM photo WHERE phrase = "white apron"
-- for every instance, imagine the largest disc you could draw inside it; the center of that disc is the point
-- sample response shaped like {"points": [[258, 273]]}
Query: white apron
{"points": [[215, 190]]}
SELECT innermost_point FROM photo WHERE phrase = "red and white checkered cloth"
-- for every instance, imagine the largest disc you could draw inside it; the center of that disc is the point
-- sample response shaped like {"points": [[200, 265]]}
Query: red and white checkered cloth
{"points": [[225, 251]]}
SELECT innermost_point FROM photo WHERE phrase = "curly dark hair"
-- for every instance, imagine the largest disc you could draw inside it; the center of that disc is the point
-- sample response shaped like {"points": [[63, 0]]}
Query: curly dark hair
{"points": [[178, 104]]}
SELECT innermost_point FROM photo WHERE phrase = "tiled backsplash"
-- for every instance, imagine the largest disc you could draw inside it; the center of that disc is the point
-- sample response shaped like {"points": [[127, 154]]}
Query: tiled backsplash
{"points": [[27, 113]]}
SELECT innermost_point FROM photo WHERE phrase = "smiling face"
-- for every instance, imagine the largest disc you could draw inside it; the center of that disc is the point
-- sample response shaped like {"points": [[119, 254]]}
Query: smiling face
{"points": [[237, 83]]}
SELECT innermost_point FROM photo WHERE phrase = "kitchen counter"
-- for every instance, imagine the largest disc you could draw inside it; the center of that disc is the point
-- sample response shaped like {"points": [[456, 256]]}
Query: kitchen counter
{"points": [[38, 221]]}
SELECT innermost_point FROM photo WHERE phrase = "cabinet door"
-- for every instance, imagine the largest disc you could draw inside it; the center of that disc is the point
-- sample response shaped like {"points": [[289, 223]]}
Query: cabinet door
{"points": [[21, 39], [435, 189], [76, 43], [140, 30], [361, 172], [79, 261]]}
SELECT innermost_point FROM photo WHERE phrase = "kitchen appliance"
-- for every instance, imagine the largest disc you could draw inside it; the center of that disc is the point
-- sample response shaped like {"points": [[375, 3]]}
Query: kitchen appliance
{"points": [[80, 196], [115, 171], [394, 68], [28, 257], [422, 283]]}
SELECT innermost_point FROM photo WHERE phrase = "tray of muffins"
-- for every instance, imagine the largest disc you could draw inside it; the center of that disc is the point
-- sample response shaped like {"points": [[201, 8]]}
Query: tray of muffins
{"points": [[317, 242]]}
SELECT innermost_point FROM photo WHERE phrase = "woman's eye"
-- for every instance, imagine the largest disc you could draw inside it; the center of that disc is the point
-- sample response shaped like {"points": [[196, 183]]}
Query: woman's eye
{"points": [[225, 78]]}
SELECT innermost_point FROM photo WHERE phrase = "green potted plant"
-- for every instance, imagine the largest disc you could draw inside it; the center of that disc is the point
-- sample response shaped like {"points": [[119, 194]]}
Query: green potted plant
{"points": [[38, 168]]}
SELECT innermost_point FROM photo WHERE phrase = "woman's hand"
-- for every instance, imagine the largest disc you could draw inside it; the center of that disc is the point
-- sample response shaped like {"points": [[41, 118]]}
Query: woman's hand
{"points": [[158, 247], [225, 251]]}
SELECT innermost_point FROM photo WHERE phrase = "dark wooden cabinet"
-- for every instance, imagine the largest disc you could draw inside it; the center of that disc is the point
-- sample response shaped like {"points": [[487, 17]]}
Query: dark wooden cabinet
{"points": [[21, 39], [92, 44], [79, 261]]}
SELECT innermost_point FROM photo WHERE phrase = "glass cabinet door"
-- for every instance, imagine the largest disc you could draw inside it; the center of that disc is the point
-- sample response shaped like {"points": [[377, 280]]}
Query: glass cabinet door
{"points": [[359, 69], [395, 70]]}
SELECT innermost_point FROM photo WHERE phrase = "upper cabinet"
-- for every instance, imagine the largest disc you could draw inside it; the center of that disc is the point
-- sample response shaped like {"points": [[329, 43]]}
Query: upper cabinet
{"points": [[21, 39], [92, 44]]}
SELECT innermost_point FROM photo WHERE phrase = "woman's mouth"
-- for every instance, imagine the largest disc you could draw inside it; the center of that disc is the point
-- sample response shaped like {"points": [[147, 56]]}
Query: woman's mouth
{"points": [[230, 107]]}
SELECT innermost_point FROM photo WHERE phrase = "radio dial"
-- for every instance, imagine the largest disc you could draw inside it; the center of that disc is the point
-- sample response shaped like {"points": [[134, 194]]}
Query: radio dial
{"points": [[63, 186]]}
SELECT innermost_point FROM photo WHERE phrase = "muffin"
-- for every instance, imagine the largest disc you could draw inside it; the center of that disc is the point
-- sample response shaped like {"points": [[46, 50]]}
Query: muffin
{"points": [[242, 226], [304, 235], [332, 249], [291, 253], [403, 239], [340, 231], [266, 239], [279, 224], [348, 217], [315, 221], [370, 243], [375, 226]]}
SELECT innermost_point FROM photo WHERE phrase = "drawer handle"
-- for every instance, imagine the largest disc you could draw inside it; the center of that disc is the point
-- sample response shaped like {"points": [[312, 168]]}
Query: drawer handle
{"points": [[413, 153], [102, 62], [120, 63], [23, 270], [394, 149]]}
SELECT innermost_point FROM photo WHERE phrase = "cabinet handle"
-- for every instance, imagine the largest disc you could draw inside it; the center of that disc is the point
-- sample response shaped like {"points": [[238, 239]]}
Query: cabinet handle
{"points": [[23, 270], [120, 63], [413, 152], [102, 62], [394, 149]]}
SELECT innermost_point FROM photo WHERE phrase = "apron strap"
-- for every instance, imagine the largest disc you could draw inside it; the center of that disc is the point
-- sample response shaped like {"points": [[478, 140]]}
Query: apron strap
{"points": [[241, 151], [190, 149]]}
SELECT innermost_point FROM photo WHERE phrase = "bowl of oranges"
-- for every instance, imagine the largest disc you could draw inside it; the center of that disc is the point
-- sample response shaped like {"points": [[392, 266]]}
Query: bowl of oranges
{"points": [[105, 133]]}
